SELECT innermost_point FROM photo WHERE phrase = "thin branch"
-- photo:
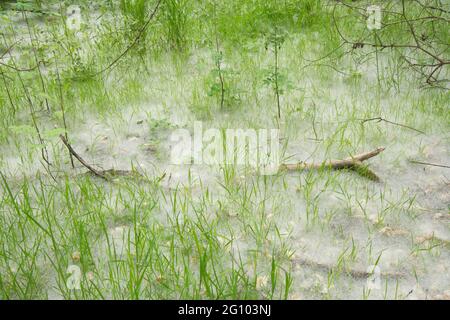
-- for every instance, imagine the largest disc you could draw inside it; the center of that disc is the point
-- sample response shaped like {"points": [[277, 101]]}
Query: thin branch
{"points": [[352, 162], [136, 40], [379, 119], [8, 49], [418, 45], [79, 158]]}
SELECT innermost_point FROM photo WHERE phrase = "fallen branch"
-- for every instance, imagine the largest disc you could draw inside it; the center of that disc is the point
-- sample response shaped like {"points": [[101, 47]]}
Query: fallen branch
{"points": [[353, 163], [79, 158]]}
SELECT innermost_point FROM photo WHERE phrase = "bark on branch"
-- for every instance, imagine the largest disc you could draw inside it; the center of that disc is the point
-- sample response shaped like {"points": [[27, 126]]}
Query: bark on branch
{"points": [[353, 162], [79, 158]]}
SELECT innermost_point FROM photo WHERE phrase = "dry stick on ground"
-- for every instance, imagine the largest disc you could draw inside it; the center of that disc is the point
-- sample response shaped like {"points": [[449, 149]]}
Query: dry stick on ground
{"points": [[79, 158], [354, 163]]}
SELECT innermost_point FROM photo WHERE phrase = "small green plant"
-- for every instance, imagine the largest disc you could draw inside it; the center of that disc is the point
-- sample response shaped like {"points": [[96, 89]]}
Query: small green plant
{"points": [[218, 87], [218, 62], [275, 78], [221, 83]]}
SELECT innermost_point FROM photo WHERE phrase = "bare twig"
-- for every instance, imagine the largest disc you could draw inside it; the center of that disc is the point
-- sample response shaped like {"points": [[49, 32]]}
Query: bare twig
{"points": [[379, 119], [336, 164], [79, 158], [135, 41], [8, 49], [430, 58], [352, 162]]}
